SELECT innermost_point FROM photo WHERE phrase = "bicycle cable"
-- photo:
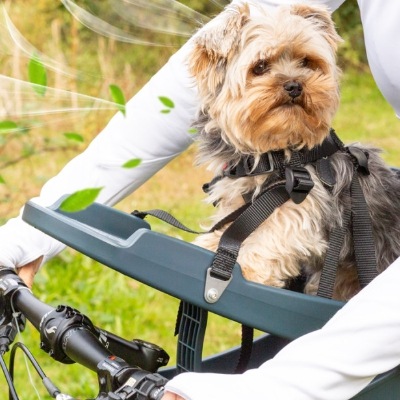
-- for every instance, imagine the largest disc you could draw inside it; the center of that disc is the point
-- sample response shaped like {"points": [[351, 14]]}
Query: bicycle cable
{"points": [[11, 388], [15, 315]]}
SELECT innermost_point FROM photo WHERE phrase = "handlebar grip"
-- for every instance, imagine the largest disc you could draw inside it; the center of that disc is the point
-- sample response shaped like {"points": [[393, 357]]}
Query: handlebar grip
{"points": [[33, 309]]}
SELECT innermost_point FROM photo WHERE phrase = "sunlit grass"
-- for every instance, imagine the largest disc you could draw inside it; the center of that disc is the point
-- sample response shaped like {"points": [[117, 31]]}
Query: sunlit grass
{"points": [[365, 116]]}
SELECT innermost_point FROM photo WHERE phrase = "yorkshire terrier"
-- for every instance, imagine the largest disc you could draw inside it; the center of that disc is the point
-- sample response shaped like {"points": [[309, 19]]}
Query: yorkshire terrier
{"points": [[268, 81]]}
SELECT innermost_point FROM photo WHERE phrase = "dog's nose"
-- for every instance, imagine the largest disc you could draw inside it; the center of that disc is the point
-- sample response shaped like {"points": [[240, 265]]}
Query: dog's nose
{"points": [[294, 89]]}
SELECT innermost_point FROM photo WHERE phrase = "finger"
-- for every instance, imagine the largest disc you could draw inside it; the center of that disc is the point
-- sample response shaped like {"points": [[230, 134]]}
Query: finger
{"points": [[171, 396], [28, 271]]}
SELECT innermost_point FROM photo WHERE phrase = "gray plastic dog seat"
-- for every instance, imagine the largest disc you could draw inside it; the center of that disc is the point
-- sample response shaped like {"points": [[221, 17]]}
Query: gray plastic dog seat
{"points": [[126, 244]]}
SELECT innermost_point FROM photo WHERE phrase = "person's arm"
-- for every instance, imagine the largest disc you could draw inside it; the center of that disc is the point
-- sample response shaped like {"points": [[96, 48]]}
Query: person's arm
{"points": [[145, 133], [334, 363], [332, 5]]}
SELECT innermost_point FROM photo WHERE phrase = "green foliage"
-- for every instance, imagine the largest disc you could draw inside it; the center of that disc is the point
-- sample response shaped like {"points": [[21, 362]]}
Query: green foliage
{"points": [[118, 97], [76, 137], [80, 200], [133, 163], [193, 131], [7, 126], [168, 103], [37, 75], [348, 22]]}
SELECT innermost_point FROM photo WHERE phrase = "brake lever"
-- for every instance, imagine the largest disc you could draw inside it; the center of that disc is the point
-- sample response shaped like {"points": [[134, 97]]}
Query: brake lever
{"points": [[141, 386]]}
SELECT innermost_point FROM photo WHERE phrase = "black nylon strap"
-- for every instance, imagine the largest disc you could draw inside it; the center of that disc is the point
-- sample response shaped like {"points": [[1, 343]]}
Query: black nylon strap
{"points": [[243, 226], [336, 239], [363, 240], [363, 237], [164, 216], [171, 220], [275, 160], [246, 349]]}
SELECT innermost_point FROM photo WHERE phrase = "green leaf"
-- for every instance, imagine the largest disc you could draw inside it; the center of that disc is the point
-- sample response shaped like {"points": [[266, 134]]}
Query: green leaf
{"points": [[80, 200], [133, 163], [193, 131], [76, 137], [2, 181], [166, 111], [37, 75], [6, 126], [118, 97], [167, 102]]}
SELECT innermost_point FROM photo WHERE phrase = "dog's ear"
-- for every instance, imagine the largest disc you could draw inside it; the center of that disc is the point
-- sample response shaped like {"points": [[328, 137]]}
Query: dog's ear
{"points": [[215, 43], [321, 18]]}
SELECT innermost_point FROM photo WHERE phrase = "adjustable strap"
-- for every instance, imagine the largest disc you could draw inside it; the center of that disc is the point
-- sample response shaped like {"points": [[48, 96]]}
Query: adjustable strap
{"points": [[363, 239], [248, 221], [246, 349], [171, 220], [336, 240], [164, 216]]}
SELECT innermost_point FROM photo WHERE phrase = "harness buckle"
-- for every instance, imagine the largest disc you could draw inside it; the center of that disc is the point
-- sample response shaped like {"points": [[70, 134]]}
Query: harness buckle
{"points": [[247, 167], [298, 183], [265, 165]]}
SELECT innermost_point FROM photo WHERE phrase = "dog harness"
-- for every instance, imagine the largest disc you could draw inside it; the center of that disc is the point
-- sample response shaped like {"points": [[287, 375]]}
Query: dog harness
{"points": [[291, 180]]}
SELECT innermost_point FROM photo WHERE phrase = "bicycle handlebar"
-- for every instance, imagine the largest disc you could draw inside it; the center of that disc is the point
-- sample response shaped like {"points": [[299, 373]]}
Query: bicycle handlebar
{"points": [[69, 336]]}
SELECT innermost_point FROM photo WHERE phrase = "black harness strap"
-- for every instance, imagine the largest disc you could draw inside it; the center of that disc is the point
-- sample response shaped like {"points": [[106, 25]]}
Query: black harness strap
{"points": [[358, 218], [275, 160], [246, 349], [163, 216], [171, 220], [248, 221], [364, 246], [336, 240]]}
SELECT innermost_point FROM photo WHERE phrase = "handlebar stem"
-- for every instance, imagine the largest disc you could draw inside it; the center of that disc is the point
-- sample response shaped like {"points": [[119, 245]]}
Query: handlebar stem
{"points": [[69, 336]]}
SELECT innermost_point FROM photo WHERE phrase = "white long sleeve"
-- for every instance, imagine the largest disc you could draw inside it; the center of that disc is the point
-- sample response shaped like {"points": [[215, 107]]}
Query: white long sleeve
{"points": [[144, 133], [333, 363]]}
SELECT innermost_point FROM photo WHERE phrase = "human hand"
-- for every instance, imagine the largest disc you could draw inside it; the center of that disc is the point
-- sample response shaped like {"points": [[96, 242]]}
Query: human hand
{"points": [[28, 271], [171, 396]]}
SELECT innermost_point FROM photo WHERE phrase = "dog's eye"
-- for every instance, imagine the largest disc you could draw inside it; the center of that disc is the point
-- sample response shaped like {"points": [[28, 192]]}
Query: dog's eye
{"points": [[305, 62], [308, 63], [261, 67]]}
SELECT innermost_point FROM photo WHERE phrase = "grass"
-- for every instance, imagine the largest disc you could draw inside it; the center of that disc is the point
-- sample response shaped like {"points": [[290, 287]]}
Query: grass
{"points": [[365, 116], [129, 308]]}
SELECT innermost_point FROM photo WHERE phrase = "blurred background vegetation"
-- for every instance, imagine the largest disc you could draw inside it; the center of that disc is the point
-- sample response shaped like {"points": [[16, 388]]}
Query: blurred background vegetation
{"points": [[30, 157]]}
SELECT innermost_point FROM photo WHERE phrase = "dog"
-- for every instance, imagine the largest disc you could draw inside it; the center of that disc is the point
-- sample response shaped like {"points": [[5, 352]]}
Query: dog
{"points": [[268, 81]]}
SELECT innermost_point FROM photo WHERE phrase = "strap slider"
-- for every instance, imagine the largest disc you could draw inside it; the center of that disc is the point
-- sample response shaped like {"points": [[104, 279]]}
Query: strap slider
{"points": [[361, 159], [298, 183], [264, 166]]}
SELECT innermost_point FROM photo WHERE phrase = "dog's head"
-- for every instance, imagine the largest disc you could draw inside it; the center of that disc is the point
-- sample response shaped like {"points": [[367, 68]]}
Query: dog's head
{"points": [[268, 81]]}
